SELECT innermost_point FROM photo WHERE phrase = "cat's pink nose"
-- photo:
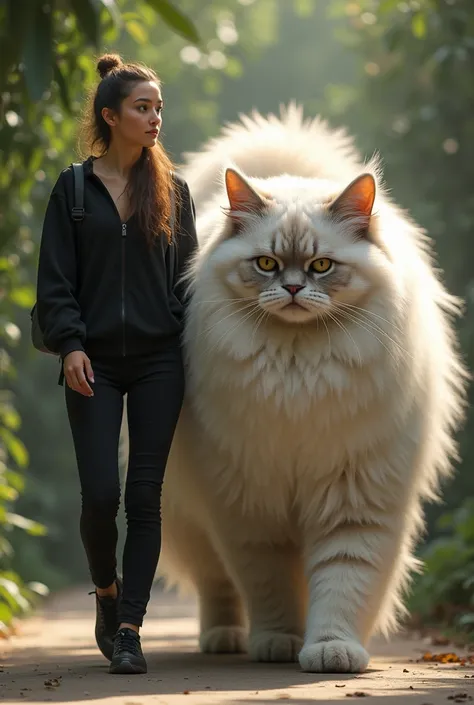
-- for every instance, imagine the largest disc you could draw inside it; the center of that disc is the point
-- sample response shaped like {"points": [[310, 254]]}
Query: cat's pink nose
{"points": [[293, 288]]}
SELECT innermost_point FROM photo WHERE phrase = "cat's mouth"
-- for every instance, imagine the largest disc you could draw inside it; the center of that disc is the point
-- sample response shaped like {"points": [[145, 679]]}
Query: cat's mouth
{"points": [[294, 312], [293, 306]]}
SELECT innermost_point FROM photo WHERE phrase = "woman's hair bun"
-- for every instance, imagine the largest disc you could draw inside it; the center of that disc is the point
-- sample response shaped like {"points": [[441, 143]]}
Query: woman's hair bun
{"points": [[107, 62]]}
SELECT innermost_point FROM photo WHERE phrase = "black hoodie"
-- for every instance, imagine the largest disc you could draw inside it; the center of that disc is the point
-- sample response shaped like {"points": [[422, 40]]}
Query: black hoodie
{"points": [[101, 287]]}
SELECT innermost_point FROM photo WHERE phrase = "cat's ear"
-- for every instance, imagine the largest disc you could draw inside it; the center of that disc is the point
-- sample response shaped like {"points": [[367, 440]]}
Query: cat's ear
{"points": [[243, 199], [356, 201]]}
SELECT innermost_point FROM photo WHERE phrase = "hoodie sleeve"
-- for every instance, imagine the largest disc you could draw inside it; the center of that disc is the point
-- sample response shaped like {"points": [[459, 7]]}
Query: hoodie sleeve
{"points": [[59, 315], [186, 240]]}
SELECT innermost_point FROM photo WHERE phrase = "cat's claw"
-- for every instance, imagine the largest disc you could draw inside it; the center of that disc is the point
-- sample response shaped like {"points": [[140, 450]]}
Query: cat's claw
{"points": [[334, 657], [274, 647], [224, 640]]}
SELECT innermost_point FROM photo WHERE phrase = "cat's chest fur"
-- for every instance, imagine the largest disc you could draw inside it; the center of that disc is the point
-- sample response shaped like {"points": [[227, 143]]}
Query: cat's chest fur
{"points": [[282, 416]]}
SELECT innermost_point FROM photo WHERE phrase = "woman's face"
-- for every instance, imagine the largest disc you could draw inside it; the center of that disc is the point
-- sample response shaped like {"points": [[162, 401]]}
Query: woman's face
{"points": [[139, 120]]}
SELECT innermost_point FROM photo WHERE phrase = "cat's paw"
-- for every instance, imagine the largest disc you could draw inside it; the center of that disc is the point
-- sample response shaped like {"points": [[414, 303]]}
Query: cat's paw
{"points": [[223, 640], [274, 647], [334, 657]]}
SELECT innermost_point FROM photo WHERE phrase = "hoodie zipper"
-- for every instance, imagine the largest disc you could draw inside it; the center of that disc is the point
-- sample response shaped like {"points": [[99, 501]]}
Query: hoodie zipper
{"points": [[124, 236]]}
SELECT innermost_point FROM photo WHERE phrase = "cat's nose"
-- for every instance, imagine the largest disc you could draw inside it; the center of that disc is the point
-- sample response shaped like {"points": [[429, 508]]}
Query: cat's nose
{"points": [[293, 288]]}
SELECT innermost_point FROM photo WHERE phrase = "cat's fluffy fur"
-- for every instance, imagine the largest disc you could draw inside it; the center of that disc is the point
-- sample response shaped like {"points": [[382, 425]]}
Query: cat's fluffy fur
{"points": [[292, 499]]}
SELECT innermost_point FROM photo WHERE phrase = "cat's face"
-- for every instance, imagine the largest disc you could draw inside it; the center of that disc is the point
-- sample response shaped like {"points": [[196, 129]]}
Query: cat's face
{"points": [[299, 262]]}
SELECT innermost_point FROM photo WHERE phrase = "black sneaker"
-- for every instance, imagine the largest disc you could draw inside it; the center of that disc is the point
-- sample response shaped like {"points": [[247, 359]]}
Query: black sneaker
{"points": [[128, 657], [106, 622]]}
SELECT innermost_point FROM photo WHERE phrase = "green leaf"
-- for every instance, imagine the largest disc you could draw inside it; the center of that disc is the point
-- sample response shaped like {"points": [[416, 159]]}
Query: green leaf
{"points": [[15, 480], [11, 593], [114, 11], [418, 25], [87, 19], [62, 86], [23, 296], [6, 265], [15, 447], [10, 417], [388, 5], [31, 527], [6, 548], [6, 614], [38, 52], [137, 31], [7, 493], [38, 588], [175, 19]]}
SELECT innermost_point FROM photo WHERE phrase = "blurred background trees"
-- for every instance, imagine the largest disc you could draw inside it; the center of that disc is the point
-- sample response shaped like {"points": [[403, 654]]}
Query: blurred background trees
{"points": [[396, 73]]}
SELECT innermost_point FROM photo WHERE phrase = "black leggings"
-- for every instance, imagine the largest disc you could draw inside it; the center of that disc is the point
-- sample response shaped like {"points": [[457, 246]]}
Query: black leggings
{"points": [[155, 386]]}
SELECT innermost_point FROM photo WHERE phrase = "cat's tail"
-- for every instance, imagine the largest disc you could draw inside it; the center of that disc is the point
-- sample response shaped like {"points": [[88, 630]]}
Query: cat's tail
{"points": [[271, 145]]}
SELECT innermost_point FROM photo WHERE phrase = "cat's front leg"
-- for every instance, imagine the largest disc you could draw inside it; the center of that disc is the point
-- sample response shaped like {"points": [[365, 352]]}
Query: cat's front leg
{"points": [[353, 573], [271, 579]]}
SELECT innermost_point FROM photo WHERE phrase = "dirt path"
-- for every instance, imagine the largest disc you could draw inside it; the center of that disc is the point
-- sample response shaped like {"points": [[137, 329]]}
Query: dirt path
{"points": [[60, 645]]}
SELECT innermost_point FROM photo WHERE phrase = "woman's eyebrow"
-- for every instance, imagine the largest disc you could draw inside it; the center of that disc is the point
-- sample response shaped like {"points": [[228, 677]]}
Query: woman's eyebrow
{"points": [[148, 100]]}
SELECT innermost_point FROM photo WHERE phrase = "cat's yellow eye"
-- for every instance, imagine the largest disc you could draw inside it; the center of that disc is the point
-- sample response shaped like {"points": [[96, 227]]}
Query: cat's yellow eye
{"points": [[267, 264], [321, 265]]}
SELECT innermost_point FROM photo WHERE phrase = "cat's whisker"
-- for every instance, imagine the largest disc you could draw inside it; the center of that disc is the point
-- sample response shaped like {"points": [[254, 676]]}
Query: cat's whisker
{"points": [[232, 330], [371, 313], [371, 332], [258, 323], [344, 329], [329, 336], [360, 316], [251, 305], [357, 318]]}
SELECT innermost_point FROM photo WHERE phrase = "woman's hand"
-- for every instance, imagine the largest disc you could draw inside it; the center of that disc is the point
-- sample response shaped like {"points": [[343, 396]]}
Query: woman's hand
{"points": [[74, 365]]}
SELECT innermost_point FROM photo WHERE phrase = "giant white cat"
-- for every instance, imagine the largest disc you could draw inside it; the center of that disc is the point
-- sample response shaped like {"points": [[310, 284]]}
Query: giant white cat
{"points": [[323, 390]]}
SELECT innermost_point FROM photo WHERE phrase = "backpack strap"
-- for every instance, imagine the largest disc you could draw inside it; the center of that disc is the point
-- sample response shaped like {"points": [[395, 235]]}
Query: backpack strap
{"points": [[77, 211]]}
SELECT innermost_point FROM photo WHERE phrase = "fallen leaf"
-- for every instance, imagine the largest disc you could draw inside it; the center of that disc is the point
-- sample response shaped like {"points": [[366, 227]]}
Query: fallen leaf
{"points": [[340, 686], [53, 682], [185, 692], [448, 657]]}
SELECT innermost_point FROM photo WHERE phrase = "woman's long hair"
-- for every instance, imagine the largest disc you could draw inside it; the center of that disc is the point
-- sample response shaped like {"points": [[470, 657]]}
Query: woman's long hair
{"points": [[150, 180]]}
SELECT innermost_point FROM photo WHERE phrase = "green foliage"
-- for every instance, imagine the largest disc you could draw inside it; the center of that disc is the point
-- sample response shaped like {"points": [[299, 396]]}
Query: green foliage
{"points": [[444, 593], [29, 28]]}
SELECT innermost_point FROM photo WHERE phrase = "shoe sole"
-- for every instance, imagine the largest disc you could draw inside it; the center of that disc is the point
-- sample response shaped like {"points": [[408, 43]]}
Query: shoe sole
{"points": [[126, 668]]}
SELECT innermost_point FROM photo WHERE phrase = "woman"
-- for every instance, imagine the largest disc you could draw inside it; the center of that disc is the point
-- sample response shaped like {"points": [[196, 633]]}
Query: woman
{"points": [[111, 305]]}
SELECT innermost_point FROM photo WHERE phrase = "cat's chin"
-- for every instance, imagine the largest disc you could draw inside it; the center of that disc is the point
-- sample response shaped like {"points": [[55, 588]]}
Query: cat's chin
{"points": [[296, 314]]}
